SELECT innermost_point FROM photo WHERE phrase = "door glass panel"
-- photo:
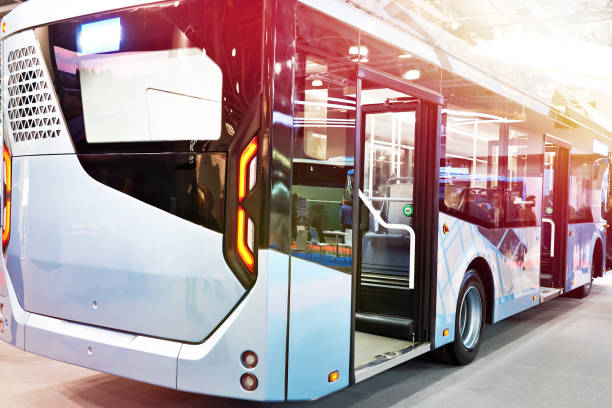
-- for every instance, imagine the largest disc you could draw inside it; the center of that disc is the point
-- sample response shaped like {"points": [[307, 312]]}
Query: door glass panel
{"points": [[554, 216], [581, 177], [389, 162], [388, 219], [323, 149], [548, 202]]}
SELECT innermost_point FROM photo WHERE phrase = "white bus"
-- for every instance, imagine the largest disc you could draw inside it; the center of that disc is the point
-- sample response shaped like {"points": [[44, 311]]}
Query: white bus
{"points": [[276, 199]]}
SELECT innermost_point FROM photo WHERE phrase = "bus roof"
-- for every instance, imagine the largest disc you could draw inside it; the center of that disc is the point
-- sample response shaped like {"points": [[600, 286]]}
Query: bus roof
{"points": [[34, 13]]}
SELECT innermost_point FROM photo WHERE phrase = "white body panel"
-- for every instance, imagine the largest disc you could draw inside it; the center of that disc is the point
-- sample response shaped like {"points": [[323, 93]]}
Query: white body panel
{"points": [[212, 367]]}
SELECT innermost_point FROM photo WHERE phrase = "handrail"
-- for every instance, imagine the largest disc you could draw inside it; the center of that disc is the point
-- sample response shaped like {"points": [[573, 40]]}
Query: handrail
{"points": [[406, 228], [392, 199], [552, 236]]}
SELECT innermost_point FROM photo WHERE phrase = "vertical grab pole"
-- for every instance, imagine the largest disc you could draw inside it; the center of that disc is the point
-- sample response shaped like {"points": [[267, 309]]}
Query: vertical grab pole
{"points": [[552, 236]]}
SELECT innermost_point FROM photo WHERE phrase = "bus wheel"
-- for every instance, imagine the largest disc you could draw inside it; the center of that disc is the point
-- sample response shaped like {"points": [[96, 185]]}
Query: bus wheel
{"points": [[585, 290], [469, 323]]}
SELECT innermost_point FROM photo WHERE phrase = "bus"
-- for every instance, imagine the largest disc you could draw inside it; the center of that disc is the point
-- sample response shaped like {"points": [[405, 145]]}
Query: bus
{"points": [[174, 173]]}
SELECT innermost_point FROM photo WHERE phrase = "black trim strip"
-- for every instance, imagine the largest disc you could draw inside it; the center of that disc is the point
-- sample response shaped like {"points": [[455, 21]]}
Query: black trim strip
{"points": [[357, 206], [398, 84]]}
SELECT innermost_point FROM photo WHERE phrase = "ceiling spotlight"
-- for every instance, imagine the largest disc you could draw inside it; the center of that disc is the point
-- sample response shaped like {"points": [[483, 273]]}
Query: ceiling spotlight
{"points": [[361, 50], [412, 74]]}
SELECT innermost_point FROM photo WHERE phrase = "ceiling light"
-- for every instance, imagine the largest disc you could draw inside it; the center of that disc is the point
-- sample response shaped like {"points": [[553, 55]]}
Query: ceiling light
{"points": [[412, 74], [317, 83], [358, 50]]}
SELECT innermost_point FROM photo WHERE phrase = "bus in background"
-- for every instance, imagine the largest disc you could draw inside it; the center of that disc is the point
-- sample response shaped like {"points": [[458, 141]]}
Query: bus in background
{"points": [[174, 173]]}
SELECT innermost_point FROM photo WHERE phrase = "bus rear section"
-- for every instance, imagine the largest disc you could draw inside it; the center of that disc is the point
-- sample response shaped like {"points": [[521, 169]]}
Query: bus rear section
{"points": [[134, 195]]}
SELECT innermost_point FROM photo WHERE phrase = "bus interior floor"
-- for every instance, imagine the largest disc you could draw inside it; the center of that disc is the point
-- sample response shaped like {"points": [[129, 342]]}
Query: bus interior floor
{"points": [[371, 347]]}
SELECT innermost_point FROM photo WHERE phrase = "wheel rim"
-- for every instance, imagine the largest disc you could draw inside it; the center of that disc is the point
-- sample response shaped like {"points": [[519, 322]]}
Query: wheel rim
{"points": [[588, 285], [470, 317]]}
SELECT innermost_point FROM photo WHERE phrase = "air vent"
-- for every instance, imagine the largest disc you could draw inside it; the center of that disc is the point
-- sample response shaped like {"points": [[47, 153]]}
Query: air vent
{"points": [[31, 111]]}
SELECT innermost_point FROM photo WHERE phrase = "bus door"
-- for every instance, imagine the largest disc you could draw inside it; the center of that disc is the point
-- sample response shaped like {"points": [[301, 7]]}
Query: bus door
{"points": [[554, 217], [395, 201]]}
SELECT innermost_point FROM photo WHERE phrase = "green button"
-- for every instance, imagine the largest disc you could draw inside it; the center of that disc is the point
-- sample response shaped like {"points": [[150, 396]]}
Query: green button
{"points": [[549, 210], [408, 210]]}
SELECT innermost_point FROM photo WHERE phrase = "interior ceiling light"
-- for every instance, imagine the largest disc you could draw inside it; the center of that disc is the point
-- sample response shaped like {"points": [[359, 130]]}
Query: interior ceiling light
{"points": [[361, 50], [317, 83], [412, 74]]}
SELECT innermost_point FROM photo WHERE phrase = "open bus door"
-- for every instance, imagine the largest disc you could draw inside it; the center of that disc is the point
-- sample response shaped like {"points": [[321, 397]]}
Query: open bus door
{"points": [[554, 217], [395, 201]]}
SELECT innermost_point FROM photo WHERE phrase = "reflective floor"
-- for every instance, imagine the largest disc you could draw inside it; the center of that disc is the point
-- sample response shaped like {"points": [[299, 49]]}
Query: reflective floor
{"points": [[557, 354]]}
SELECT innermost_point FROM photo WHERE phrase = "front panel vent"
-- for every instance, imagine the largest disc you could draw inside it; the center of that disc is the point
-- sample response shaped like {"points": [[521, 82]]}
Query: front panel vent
{"points": [[30, 108], [31, 112]]}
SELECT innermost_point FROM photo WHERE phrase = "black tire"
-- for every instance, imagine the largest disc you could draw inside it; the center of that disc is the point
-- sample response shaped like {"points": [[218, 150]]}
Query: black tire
{"points": [[585, 290], [457, 352]]}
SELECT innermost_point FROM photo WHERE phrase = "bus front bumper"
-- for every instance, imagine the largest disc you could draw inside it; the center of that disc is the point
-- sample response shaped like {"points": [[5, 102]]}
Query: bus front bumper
{"points": [[212, 367]]}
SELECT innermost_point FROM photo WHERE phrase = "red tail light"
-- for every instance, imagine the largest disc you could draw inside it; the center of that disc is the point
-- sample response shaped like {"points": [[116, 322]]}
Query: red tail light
{"points": [[245, 230], [248, 163], [243, 248], [6, 213]]}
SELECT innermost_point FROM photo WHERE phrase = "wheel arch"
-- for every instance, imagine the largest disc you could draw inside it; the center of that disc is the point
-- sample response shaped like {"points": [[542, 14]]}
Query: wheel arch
{"points": [[481, 266], [598, 255]]}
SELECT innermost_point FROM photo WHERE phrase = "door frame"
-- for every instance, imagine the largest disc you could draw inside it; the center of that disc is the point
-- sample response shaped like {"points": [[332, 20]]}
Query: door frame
{"points": [[427, 168], [561, 190]]}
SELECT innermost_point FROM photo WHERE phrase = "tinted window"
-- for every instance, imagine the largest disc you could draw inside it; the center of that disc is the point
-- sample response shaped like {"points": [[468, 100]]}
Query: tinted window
{"points": [[524, 182], [580, 189], [190, 186], [470, 170]]}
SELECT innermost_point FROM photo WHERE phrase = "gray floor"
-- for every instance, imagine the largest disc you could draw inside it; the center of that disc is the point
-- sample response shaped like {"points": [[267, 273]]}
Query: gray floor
{"points": [[369, 347], [558, 354]]}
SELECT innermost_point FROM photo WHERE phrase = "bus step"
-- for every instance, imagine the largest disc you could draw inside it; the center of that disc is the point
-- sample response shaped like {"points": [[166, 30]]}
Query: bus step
{"points": [[389, 326], [547, 294], [379, 365]]}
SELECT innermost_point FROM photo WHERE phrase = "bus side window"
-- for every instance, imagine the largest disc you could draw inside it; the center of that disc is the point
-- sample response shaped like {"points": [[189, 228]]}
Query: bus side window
{"points": [[470, 168]]}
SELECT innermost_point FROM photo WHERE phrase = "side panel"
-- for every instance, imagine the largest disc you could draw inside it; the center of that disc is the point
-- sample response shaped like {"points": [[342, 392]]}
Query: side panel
{"points": [[513, 256], [75, 242], [137, 357], [319, 330], [580, 246], [12, 317], [258, 324], [213, 367]]}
